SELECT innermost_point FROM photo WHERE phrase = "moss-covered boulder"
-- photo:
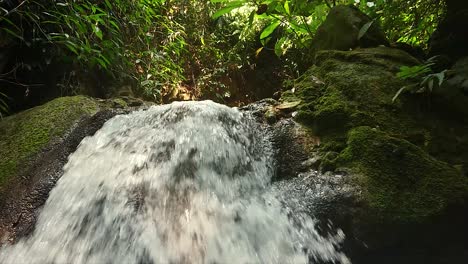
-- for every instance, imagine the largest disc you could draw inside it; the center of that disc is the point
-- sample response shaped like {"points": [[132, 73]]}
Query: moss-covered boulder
{"points": [[346, 27], [402, 182], [406, 158], [23, 135], [346, 89], [34, 147]]}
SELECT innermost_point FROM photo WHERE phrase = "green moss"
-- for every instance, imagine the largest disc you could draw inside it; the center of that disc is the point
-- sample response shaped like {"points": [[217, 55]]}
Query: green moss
{"points": [[400, 181], [25, 134], [347, 101], [118, 103], [347, 89]]}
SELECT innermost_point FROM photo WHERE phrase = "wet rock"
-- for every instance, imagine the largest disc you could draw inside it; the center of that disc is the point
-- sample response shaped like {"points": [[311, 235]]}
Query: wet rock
{"points": [[34, 146], [346, 88], [400, 181], [271, 115], [398, 157]]}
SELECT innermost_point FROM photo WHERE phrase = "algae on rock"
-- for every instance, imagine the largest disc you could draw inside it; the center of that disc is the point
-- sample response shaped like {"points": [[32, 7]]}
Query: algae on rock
{"points": [[346, 99], [25, 134], [352, 88], [403, 183]]}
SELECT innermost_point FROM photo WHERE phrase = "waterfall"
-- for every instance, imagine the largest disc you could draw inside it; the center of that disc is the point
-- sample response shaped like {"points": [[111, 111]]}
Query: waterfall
{"points": [[181, 183]]}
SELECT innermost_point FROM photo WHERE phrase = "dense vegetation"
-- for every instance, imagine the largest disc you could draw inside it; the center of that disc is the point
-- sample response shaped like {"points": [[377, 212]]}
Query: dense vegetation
{"points": [[172, 49], [378, 91]]}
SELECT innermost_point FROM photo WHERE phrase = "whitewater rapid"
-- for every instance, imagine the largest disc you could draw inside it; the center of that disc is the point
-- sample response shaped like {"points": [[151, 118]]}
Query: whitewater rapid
{"points": [[181, 183]]}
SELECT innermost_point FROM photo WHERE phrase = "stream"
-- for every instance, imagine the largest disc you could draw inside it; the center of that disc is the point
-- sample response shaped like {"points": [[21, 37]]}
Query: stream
{"points": [[188, 182]]}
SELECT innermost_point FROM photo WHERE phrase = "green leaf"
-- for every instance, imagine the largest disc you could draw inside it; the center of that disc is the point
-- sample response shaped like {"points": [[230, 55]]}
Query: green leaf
{"points": [[202, 40], [257, 52], [11, 23], [269, 29], [430, 84], [440, 76], [72, 47], [114, 24], [101, 62], [279, 46], [364, 29], [286, 7], [251, 17], [399, 92], [13, 33], [108, 4], [97, 31], [3, 104], [226, 10], [299, 28]]}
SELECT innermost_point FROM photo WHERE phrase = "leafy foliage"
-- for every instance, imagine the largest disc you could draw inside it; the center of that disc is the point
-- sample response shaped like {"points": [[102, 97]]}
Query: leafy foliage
{"points": [[411, 22], [422, 77], [161, 46], [296, 19], [404, 21]]}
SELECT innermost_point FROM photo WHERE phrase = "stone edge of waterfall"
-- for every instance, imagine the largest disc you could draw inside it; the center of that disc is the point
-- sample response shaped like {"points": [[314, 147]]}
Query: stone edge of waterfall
{"points": [[31, 186]]}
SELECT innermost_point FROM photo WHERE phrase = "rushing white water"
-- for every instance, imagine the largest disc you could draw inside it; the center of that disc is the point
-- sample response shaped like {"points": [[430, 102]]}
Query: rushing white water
{"points": [[180, 183]]}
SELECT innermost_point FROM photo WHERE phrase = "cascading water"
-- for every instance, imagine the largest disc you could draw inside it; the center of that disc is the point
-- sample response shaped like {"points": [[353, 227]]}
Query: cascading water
{"points": [[179, 183]]}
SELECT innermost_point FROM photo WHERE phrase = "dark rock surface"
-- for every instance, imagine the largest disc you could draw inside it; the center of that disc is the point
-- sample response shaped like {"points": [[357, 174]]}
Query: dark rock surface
{"points": [[451, 36], [453, 93], [340, 31]]}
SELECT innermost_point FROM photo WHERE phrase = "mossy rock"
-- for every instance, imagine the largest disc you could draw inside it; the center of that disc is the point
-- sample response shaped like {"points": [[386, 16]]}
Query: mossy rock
{"points": [[346, 89], [341, 30], [346, 100], [23, 135], [400, 181]]}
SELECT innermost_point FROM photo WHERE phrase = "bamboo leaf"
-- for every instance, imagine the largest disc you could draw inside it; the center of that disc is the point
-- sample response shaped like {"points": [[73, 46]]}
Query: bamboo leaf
{"points": [[398, 93], [227, 9], [430, 84], [269, 29], [364, 29], [14, 34], [286, 7], [97, 32], [108, 4], [440, 76], [257, 52]]}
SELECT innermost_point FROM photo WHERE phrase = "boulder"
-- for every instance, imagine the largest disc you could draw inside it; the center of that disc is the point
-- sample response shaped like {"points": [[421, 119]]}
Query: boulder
{"points": [[34, 146], [400, 163], [351, 88], [341, 30], [23, 135], [400, 181]]}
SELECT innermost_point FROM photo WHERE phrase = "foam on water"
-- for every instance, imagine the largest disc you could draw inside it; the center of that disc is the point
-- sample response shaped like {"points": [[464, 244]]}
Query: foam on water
{"points": [[180, 183]]}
